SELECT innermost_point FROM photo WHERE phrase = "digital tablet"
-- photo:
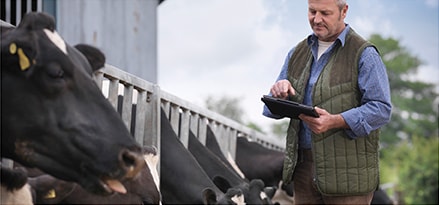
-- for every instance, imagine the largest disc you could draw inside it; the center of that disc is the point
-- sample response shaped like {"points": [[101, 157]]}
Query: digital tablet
{"points": [[286, 108]]}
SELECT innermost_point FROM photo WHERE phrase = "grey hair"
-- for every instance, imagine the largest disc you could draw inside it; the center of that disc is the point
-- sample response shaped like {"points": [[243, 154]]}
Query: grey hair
{"points": [[341, 4]]}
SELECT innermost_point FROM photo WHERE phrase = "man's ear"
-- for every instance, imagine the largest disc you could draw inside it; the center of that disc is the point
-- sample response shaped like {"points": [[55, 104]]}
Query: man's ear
{"points": [[94, 56], [344, 11]]}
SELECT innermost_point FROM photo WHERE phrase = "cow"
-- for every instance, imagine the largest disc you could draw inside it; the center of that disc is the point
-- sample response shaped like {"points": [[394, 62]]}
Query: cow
{"points": [[248, 152], [212, 145], [215, 167], [182, 179], [380, 197], [16, 190], [141, 190], [54, 116]]}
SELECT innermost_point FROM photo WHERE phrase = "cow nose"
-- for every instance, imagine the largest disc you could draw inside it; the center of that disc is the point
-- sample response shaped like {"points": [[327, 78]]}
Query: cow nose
{"points": [[132, 162]]}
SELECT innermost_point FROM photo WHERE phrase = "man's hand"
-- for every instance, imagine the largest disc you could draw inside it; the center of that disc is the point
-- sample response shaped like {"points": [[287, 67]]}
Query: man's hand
{"points": [[281, 89], [325, 122]]}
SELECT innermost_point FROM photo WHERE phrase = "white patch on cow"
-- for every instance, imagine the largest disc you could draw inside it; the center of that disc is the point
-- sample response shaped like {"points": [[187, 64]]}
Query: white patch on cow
{"points": [[152, 161], [239, 200], [281, 197], [234, 165], [263, 195], [56, 39], [21, 196]]}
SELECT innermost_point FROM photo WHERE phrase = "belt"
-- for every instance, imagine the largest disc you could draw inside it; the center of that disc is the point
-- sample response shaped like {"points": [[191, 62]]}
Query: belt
{"points": [[304, 155]]}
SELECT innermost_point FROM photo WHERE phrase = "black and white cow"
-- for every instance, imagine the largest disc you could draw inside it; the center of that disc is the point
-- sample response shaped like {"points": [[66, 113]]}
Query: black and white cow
{"points": [[215, 167], [53, 114], [213, 145], [182, 179], [50, 190], [249, 152]]}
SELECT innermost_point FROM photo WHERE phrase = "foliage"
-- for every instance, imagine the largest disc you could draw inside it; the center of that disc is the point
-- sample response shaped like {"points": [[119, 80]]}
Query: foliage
{"points": [[279, 129], [414, 110], [256, 127], [225, 105], [414, 166], [410, 141]]}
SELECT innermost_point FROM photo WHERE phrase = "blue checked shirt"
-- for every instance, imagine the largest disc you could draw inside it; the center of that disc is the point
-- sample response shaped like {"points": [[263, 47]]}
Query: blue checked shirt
{"points": [[375, 109]]}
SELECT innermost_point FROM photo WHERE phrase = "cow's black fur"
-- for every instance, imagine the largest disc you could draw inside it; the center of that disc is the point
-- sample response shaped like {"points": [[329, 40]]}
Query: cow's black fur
{"points": [[215, 168], [53, 114], [182, 179], [212, 145], [13, 179]]}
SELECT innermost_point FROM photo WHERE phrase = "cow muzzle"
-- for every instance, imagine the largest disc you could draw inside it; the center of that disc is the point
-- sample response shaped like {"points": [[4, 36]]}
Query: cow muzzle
{"points": [[131, 164]]}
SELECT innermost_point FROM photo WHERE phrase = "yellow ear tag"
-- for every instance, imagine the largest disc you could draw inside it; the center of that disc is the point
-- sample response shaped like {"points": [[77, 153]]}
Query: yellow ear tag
{"points": [[24, 61], [12, 48], [51, 194]]}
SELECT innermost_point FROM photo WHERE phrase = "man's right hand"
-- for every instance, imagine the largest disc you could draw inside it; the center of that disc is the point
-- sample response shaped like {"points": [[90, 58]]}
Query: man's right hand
{"points": [[281, 89]]}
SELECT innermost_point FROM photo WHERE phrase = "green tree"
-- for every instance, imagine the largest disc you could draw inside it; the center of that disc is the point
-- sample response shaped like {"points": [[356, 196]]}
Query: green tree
{"points": [[413, 166], [414, 110], [230, 107], [280, 127], [225, 105], [409, 157]]}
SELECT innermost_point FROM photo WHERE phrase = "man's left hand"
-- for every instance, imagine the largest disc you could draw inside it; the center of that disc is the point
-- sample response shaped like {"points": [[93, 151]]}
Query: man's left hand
{"points": [[325, 122]]}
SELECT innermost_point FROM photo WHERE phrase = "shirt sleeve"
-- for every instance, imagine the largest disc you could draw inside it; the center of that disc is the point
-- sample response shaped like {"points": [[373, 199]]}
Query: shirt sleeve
{"points": [[375, 108], [282, 76]]}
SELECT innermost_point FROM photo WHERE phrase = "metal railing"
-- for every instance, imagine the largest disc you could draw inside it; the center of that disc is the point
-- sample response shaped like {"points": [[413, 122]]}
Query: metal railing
{"points": [[13, 10], [124, 90], [183, 115]]}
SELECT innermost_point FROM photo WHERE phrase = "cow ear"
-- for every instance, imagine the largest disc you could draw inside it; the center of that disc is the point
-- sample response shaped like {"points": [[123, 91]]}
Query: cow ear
{"points": [[94, 56], [18, 58], [257, 183], [270, 191], [222, 183], [209, 196], [13, 179]]}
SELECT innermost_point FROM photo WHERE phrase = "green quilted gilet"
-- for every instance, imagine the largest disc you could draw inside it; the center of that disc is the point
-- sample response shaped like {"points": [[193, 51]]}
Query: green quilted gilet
{"points": [[342, 166]]}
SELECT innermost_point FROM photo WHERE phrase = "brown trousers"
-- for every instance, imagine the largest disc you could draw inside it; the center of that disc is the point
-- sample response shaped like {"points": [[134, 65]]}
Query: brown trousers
{"points": [[306, 192]]}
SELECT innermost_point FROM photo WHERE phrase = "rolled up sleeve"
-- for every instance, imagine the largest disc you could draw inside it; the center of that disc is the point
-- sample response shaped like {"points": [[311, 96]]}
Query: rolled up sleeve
{"points": [[375, 108]]}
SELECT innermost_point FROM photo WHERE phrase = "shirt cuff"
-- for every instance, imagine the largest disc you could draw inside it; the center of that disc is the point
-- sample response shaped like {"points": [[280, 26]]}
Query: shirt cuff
{"points": [[355, 120]]}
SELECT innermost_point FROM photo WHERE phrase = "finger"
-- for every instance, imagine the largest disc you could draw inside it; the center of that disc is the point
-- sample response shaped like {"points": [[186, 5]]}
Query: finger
{"points": [[292, 91], [275, 91]]}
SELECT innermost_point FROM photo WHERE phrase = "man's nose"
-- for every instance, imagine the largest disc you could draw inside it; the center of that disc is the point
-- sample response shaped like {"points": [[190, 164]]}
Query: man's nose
{"points": [[317, 18]]}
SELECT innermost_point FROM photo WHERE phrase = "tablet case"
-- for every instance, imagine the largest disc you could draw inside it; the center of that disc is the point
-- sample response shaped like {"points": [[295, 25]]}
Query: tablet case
{"points": [[286, 108]]}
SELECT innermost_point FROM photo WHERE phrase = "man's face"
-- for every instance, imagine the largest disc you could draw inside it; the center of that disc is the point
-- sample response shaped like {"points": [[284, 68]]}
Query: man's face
{"points": [[326, 19]]}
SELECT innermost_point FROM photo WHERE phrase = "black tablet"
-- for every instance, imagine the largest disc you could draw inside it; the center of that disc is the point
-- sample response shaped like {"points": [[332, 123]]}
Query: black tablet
{"points": [[286, 108]]}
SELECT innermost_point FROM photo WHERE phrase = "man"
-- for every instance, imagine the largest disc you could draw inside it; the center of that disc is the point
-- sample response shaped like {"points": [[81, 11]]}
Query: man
{"points": [[333, 159]]}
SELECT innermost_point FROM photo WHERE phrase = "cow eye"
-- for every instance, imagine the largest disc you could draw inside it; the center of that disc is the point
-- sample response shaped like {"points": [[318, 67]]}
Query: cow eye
{"points": [[55, 71]]}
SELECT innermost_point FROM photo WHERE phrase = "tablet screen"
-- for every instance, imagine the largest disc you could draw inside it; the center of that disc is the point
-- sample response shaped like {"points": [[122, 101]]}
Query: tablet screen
{"points": [[286, 108]]}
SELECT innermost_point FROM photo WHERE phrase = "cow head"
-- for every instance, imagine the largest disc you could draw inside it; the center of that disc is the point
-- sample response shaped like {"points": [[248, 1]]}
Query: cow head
{"points": [[54, 116], [140, 190]]}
